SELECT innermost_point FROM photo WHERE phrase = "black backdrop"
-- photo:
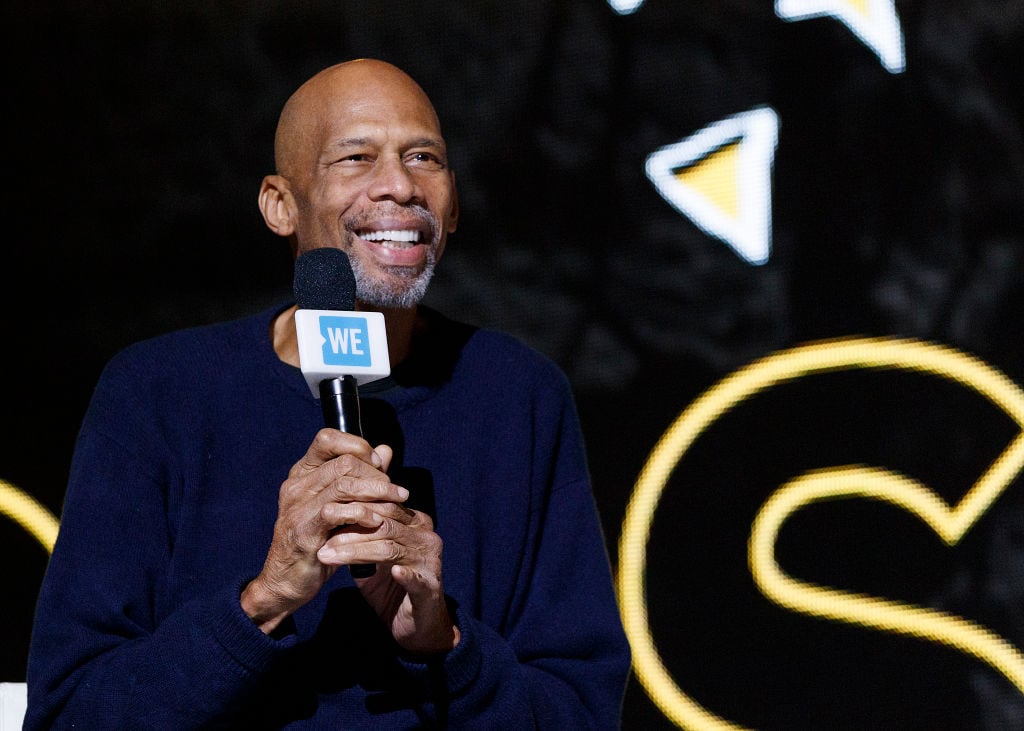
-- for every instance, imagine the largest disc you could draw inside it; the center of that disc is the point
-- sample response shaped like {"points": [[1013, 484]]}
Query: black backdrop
{"points": [[137, 134]]}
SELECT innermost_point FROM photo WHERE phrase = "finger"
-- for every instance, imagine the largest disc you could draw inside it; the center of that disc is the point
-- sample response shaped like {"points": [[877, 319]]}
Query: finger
{"points": [[403, 537], [348, 476], [331, 443], [368, 516], [371, 489], [350, 546], [421, 586], [367, 533], [392, 541], [343, 478], [384, 454]]}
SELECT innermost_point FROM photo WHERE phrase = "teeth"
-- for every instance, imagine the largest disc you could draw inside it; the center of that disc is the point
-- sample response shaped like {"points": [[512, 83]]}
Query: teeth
{"points": [[392, 237]]}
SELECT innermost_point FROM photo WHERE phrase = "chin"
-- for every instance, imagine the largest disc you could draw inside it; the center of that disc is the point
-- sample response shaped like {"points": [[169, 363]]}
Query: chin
{"points": [[394, 288], [404, 295]]}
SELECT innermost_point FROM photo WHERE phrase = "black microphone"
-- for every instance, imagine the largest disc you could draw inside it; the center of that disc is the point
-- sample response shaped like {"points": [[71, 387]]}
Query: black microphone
{"points": [[324, 281]]}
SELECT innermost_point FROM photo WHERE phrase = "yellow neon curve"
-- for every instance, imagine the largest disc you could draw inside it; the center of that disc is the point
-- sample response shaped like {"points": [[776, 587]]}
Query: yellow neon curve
{"points": [[775, 369], [31, 515], [883, 614]]}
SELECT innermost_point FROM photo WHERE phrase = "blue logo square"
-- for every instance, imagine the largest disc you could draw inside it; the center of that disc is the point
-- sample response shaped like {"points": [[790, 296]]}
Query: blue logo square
{"points": [[346, 341]]}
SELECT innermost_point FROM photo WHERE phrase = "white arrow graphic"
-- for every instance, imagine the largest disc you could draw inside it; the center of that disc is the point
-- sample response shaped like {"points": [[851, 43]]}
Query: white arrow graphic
{"points": [[720, 178]]}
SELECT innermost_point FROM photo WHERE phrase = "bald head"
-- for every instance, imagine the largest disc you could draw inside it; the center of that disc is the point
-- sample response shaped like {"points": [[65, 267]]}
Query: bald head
{"points": [[337, 90], [362, 167]]}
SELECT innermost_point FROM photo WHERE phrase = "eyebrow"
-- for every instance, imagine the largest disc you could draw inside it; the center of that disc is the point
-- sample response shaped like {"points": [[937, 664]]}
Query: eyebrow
{"points": [[362, 141]]}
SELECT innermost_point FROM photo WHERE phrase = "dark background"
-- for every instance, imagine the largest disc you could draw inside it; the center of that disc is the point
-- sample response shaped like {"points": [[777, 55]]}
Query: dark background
{"points": [[137, 134]]}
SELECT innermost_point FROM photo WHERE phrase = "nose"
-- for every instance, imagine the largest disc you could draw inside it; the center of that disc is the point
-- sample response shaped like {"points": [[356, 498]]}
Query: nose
{"points": [[392, 180]]}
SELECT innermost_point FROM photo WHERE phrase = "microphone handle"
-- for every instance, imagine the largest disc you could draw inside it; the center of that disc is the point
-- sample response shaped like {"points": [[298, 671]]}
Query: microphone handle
{"points": [[339, 401]]}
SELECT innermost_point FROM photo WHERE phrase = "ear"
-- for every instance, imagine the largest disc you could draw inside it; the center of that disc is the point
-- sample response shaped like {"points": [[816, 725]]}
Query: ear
{"points": [[277, 205], [453, 214]]}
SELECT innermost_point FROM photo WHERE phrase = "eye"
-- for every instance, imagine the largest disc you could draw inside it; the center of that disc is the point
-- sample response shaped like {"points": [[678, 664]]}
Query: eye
{"points": [[425, 160]]}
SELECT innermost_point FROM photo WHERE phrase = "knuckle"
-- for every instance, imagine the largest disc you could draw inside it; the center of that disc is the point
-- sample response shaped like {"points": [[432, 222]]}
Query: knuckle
{"points": [[289, 487], [323, 439], [328, 513], [380, 488], [344, 465], [433, 543], [393, 551], [341, 488], [385, 529]]}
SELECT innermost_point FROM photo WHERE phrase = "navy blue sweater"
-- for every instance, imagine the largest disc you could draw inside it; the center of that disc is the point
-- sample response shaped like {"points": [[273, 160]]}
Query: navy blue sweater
{"points": [[170, 509]]}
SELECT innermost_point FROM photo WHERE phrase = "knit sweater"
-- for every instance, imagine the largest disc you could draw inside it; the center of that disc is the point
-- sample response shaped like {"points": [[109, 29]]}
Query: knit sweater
{"points": [[170, 509]]}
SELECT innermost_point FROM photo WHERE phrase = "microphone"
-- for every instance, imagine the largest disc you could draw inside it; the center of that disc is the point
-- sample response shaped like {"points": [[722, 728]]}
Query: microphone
{"points": [[338, 347]]}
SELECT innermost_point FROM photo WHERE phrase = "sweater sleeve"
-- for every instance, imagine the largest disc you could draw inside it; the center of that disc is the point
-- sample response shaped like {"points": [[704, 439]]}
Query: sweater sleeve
{"points": [[99, 657], [562, 661], [566, 662]]}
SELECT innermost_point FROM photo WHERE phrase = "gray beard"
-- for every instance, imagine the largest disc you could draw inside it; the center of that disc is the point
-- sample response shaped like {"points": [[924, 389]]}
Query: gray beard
{"points": [[406, 294], [410, 288]]}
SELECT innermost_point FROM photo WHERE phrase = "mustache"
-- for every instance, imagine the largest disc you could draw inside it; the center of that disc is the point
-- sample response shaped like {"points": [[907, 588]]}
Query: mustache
{"points": [[389, 209]]}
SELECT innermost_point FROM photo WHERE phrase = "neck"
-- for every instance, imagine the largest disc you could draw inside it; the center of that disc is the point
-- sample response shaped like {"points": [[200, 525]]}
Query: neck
{"points": [[399, 324]]}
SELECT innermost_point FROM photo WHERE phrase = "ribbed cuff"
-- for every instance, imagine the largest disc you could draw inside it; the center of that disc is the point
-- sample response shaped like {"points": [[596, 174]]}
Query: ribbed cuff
{"points": [[240, 637]]}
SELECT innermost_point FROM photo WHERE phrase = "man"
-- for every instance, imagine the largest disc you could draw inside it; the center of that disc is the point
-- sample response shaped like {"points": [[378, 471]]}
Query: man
{"points": [[491, 604]]}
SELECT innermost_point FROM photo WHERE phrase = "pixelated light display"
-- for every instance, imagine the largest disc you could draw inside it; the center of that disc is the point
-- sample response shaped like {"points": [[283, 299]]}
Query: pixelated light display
{"points": [[951, 523]]}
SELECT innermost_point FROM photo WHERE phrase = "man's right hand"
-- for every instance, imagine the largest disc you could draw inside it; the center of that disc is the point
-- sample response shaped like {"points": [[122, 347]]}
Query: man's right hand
{"points": [[339, 484]]}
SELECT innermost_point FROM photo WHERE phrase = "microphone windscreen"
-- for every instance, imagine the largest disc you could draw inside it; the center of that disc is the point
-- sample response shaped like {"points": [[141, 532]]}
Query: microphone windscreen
{"points": [[324, 281]]}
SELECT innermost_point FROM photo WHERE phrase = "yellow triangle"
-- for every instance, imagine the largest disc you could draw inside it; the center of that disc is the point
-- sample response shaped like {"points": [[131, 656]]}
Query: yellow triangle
{"points": [[860, 6], [715, 177]]}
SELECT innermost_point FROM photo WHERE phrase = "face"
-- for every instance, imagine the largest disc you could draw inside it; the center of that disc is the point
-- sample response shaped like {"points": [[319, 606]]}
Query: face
{"points": [[368, 174]]}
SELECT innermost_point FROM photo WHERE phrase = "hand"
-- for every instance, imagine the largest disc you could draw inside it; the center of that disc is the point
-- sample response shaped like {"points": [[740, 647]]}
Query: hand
{"points": [[339, 485], [406, 591]]}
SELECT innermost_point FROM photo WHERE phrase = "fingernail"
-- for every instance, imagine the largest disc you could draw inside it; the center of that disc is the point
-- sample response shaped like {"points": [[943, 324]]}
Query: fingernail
{"points": [[403, 493]]}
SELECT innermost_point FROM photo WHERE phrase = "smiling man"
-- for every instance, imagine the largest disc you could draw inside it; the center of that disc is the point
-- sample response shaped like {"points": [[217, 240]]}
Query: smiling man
{"points": [[362, 167], [200, 577]]}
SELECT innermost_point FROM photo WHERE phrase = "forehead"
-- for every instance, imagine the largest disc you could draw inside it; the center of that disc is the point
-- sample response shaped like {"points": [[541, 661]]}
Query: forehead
{"points": [[388, 106]]}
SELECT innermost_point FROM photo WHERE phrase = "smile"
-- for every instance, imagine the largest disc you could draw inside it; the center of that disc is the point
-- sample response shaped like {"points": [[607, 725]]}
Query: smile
{"points": [[393, 238]]}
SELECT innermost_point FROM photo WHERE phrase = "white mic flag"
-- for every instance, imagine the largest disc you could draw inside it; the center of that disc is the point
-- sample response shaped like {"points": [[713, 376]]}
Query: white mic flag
{"points": [[334, 343]]}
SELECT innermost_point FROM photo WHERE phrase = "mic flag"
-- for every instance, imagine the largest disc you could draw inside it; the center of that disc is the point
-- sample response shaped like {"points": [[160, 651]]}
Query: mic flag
{"points": [[334, 340]]}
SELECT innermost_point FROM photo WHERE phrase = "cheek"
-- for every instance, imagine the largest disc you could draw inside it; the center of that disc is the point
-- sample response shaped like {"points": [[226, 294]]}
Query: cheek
{"points": [[444, 208], [336, 194]]}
